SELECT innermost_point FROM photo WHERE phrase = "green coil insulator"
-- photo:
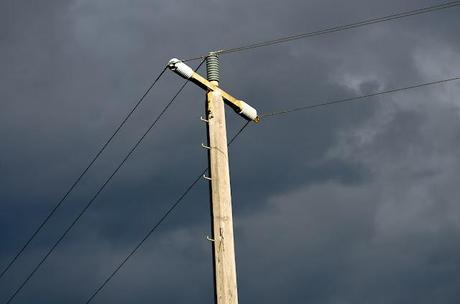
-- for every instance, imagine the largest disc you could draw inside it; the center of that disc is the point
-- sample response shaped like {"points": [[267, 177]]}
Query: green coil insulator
{"points": [[212, 67]]}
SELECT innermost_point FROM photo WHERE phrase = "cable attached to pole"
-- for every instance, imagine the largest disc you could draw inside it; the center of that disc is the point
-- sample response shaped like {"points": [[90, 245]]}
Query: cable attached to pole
{"points": [[334, 29], [82, 174], [90, 202], [359, 98]]}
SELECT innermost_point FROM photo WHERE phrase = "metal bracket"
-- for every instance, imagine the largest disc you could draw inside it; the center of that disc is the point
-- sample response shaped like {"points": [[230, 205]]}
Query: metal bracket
{"points": [[209, 239], [205, 177], [204, 146], [205, 120]]}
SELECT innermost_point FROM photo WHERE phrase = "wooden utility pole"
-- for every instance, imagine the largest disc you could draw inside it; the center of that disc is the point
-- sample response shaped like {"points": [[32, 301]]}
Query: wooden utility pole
{"points": [[221, 200]]}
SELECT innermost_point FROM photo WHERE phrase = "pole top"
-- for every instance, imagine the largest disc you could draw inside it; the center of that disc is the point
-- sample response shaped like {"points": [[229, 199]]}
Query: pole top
{"points": [[211, 84]]}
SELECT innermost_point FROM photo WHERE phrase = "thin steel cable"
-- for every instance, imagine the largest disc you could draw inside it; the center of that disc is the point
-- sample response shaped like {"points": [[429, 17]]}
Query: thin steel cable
{"points": [[334, 29], [82, 174], [358, 98], [90, 202], [158, 223], [238, 133], [195, 58]]}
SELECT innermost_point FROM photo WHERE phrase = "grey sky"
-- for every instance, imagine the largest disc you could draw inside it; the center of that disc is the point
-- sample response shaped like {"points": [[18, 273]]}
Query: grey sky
{"points": [[355, 203]]}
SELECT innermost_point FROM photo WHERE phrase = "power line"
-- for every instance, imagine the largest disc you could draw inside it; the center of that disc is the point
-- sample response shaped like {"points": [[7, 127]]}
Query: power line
{"points": [[159, 222], [90, 202], [358, 98], [334, 29], [82, 174]]}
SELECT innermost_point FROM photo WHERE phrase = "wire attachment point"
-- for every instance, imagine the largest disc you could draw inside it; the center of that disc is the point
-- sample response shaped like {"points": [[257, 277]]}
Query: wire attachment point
{"points": [[205, 177], [205, 147]]}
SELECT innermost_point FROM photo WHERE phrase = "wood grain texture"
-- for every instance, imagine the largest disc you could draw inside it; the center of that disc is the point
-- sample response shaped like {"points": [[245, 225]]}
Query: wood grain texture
{"points": [[221, 202]]}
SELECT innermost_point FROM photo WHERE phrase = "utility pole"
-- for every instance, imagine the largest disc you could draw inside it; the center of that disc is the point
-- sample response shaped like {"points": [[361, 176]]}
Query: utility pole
{"points": [[221, 200], [221, 203]]}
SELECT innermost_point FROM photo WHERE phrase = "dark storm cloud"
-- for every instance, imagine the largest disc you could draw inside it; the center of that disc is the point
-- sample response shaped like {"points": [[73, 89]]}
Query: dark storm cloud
{"points": [[351, 204]]}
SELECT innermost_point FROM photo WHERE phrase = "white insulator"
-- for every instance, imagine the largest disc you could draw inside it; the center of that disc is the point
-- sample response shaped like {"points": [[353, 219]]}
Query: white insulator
{"points": [[248, 111], [180, 68]]}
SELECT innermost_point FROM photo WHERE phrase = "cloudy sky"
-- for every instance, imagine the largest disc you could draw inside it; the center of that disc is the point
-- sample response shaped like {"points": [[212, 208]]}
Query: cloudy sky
{"points": [[355, 203]]}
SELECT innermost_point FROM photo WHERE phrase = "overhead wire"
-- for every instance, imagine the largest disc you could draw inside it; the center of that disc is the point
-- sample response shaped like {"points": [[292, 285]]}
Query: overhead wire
{"points": [[334, 29], [158, 223], [254, 45], [80, 176], [358, 98], [98, 192]]}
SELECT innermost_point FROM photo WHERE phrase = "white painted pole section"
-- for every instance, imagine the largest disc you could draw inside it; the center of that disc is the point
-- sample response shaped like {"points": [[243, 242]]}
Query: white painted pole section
{"points": [[221, 201]]}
